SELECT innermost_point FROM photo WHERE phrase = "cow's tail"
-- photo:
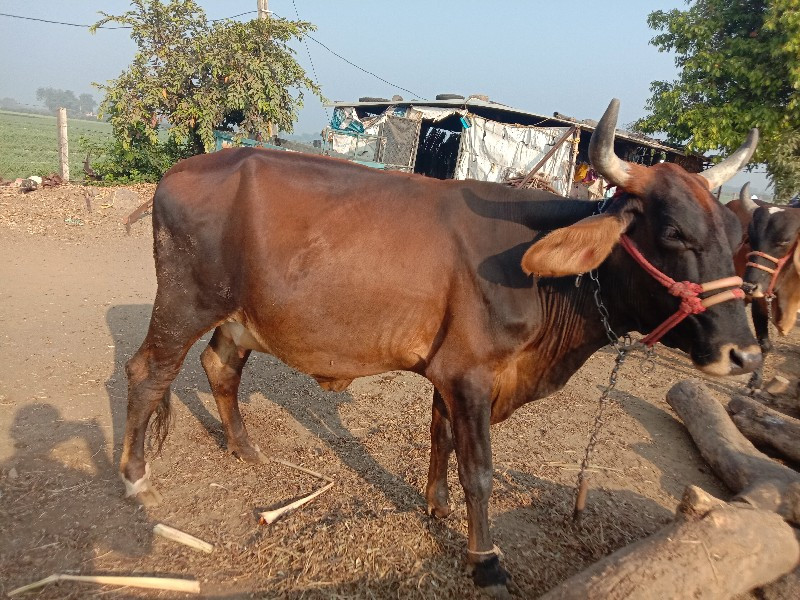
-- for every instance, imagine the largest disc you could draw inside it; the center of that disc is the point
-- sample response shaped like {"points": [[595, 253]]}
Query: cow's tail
{"points": [[161, 421]]}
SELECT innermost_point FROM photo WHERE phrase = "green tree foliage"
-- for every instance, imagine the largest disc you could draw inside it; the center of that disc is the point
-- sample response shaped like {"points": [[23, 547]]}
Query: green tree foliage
{"points": [[198, 76], [54, 99], [739, 64]]}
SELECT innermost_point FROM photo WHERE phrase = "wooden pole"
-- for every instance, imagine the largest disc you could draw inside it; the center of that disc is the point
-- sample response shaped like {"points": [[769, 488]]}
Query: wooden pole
{"points": [[263, 13], [63, 145], [263, 9], [547, 156]]}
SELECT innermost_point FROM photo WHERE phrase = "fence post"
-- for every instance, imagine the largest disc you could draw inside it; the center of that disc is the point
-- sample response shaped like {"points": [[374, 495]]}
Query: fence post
{"points": [[63, 145]]}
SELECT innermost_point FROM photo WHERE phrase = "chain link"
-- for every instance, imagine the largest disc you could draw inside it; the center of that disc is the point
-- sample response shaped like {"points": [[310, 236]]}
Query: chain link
{"points": [[769, 298]]}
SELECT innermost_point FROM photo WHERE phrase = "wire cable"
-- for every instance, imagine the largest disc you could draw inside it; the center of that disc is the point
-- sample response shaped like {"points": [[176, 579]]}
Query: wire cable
{"points": [[106, 26], [311, 60], [336, 54]]}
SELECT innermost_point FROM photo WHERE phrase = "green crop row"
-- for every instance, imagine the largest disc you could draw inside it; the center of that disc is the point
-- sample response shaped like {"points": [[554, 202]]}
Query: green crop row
{"points": [[29, 144]]}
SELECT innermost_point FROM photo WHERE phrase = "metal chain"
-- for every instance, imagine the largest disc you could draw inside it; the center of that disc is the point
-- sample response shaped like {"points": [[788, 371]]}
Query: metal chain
{"points": [[769, 298], [623, 345]]}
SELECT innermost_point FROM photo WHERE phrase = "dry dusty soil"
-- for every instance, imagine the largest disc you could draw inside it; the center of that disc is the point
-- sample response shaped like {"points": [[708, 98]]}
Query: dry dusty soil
{"points": [[75, 299]]}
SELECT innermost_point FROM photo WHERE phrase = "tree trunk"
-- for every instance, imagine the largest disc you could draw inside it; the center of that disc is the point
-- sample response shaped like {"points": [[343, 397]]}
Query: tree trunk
{"points": [[765, 426], [713, 551]]}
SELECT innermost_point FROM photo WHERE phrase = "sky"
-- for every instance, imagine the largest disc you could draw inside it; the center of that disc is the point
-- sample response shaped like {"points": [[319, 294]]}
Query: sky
{"points": [[571, 56]]}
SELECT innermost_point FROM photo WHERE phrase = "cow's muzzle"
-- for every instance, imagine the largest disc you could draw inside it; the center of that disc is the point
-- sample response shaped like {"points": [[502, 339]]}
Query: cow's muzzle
{"points": [[752, 290], [734, 360]]}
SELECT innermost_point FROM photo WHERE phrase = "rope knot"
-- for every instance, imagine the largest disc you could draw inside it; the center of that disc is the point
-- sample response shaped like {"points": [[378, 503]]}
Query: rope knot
{"points": [[684, 289], [688, 292]]}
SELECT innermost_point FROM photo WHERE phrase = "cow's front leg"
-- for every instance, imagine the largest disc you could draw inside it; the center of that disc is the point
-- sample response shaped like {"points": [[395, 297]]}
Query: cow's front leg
{"points": [[223, 362], [470, 415], [436, 492]]}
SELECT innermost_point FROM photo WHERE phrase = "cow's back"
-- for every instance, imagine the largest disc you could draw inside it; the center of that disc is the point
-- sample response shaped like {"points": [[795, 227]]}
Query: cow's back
{"points": [[337, 269]]}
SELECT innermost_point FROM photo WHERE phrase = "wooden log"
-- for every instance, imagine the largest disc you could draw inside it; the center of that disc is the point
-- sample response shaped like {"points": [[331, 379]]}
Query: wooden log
{"points": [[753, 476], [784, 588], [712, 551], [777, 385], [763, 425]]}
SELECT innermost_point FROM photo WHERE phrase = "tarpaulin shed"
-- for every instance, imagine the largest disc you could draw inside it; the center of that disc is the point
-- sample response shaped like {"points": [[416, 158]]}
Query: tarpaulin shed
{"points": [[453, 137]]}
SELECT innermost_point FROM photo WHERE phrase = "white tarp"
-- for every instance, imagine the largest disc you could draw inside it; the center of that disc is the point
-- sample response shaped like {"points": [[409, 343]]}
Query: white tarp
{"points": [[492, 151], [432, 113], [359, 147]]}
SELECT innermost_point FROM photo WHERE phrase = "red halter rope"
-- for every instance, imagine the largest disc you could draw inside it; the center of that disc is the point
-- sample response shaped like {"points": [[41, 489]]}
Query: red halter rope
{"points": [[688, 291], [779, 262]]}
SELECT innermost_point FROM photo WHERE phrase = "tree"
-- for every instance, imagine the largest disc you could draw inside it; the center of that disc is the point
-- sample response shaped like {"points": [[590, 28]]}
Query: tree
{"points": [[54, 99], [199, 76], [739, 64], [86, 104]]}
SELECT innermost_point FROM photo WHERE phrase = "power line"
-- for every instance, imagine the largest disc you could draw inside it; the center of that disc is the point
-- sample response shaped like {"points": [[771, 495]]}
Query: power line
{"points": [[349, 62], [311, 60], [399, 87], [336, 54], [105, 26], [61, 22]]}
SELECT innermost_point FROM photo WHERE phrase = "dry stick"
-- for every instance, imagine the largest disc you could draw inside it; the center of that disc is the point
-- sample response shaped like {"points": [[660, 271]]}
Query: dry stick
{"points": [[286, 463], [182, 538], [190, 586], [270, 516]]}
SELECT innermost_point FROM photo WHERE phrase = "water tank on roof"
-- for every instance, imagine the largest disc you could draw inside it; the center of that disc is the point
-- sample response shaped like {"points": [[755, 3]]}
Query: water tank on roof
{"points": [[449, 97]]}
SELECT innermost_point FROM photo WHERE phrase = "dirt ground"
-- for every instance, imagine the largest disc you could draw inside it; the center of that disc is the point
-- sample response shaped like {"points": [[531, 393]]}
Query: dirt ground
{"points": [[75, 300]]}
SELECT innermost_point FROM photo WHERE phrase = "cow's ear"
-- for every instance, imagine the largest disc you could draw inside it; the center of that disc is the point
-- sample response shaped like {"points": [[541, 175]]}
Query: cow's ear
{"points": [[796, 255], [576, 249]]}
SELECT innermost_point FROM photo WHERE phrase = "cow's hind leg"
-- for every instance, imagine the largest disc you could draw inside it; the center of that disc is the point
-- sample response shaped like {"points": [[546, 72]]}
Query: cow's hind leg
{"points": [[223, 362], [436, 492], [174, 327]]}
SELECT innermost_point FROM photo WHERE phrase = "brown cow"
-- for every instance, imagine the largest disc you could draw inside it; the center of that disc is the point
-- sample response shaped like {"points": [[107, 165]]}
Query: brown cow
{"points": [[343, 271], [774, 265], [775, 222]]}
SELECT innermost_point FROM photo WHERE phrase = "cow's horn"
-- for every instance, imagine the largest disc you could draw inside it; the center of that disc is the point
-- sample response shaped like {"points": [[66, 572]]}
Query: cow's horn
{"points": [[722, 172], [745, 201], [601, 148]]}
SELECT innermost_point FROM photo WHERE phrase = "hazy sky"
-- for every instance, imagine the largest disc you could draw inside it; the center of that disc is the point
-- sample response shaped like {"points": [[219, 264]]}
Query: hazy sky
{"points": [[570, 56]]}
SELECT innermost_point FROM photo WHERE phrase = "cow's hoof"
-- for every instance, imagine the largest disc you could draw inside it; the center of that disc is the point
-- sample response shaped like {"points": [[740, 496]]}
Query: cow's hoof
{"points": [[248, 452], [440, 511], [491, 578], [142, 491], [148, 497], [499, 592]]}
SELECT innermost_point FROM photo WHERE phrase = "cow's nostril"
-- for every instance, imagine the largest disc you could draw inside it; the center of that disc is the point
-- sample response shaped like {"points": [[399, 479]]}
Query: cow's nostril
{"points": [[745, 361]]}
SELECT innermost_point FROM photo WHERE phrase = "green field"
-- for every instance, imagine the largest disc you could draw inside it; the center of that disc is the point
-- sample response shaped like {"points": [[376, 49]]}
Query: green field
{"points": [[29, 144]]}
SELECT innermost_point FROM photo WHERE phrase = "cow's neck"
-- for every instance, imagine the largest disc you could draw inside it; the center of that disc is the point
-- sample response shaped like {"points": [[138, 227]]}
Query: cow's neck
{"points": [[570, 331]]}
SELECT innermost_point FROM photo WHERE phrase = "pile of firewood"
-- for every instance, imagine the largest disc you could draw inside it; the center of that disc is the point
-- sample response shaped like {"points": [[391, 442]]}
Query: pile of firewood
{"points": [[715, 548], [539, 182]]}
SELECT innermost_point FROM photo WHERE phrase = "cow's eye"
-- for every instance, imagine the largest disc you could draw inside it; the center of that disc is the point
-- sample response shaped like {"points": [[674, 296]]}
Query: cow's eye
{"points": [[673, 233]]}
